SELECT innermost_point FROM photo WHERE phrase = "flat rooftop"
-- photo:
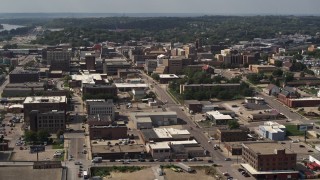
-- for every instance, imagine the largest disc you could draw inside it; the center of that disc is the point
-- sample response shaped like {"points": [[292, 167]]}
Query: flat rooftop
{"points": [[253, 171], [45, 99], [130, 85], [160, 145], [117, 149], [144, 120], [267, 148], [173, 76], [28, 173], [166, 113]]}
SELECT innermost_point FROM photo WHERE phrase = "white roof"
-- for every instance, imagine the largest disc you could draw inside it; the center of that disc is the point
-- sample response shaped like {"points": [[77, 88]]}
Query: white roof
{"points": [[45, 99], [274, 124], [162, 133], [148, 114], [129, 85], [86, 78], [173, 131], [173, 76], [253, 171], [184, 142], [143, 120], [159, 145], [16, 106], [218, 116]]}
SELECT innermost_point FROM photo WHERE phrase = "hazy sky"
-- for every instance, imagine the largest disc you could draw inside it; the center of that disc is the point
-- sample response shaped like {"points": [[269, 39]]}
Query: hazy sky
{"points": [[275, 7]]}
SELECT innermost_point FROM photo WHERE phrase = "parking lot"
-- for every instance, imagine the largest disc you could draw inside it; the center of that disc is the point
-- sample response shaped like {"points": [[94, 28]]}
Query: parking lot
{"points": [[25, 155]]}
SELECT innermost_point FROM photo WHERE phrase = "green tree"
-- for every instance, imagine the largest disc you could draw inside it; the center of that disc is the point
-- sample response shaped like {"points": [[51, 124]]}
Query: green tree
{"points": [[30, 136], [277, 73], [155, 76], [151, 94], [1, 139], [278, 63], [59, 133], [233, 124], [43, 135]]}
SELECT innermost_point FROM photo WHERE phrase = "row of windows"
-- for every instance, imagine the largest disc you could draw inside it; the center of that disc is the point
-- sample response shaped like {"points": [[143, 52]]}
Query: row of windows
{"points": [[51, 117], [50, 121], [161, 151], [50, 125]]}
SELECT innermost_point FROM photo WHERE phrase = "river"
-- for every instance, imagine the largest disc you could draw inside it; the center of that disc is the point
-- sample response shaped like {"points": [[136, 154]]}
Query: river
{"points": [[10, 27]]}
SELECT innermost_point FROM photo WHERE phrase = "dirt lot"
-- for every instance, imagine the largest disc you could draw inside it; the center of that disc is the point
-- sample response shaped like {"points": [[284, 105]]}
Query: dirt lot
{"points": [[200, 174], [28, 173], [25, 155], [147, 174]]}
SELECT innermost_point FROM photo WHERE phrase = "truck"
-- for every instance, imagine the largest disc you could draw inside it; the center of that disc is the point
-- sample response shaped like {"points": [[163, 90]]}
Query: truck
{"points": [[185, 167], [97, 160]]}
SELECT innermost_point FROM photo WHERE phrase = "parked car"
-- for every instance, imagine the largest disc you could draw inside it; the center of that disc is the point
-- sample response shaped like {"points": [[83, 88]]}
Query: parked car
{"points": [[227, 159]]}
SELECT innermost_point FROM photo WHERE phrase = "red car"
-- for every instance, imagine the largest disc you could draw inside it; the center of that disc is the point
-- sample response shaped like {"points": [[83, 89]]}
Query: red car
{"points": [[79, 174]]}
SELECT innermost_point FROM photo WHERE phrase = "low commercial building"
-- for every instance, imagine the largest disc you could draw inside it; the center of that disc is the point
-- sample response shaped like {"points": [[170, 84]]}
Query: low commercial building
{"points": [[264, 116], [157, 118], [50, 121], [315, 158], [303, 102], [233, 135], [103, 127], [133, 151], [160, 150], [166, 78], [193, 106], [20, 75], [235, 148], [99, 89], [206, 87], [175, 149], [273, 131], [150, 65], [164, 134], [130, 86], [218, 118], [23, 89], [255, 100], [111, 66], [261, 68], [108, 132], [138, 93], [143, 122], [269, 161], [125, 73]]}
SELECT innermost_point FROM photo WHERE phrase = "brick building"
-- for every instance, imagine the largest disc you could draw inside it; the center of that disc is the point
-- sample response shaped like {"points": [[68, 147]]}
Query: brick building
{"points": [[102, 127], [90, 61], [43, 104], [50, 121], [227, 135], [59, 58], [21, 76], [99, 89], [269, 161]]}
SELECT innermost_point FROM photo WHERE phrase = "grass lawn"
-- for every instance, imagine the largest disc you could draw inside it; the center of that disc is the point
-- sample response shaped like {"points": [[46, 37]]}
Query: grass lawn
{"points": [[105, 171], [57, 145], [292, 130], [206, 123], [176, 97]]}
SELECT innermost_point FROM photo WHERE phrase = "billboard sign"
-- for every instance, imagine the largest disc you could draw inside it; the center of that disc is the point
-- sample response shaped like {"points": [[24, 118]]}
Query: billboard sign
{"points": [[303, 127]]}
